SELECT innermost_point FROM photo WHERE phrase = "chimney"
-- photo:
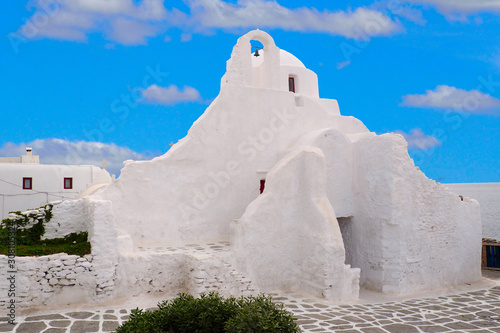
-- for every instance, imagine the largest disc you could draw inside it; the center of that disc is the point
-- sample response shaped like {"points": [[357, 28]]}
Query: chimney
{"points": [[29, 151]]}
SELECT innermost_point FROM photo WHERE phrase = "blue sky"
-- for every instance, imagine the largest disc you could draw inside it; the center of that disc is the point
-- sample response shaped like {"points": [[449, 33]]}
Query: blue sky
{"points": [[84, 80]]}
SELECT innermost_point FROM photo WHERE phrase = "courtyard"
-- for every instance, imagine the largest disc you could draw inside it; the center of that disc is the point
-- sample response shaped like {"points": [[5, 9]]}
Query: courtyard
{"points": [[472, 308]]}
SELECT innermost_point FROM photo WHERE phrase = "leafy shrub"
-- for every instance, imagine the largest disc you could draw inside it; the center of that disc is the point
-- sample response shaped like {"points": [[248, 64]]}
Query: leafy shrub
{"points": [[211, 313], [261, 315]]}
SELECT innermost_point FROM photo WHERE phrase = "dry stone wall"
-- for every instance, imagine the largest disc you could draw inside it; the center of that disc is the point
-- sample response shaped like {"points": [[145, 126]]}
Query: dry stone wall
{"points": [[41, 280]]}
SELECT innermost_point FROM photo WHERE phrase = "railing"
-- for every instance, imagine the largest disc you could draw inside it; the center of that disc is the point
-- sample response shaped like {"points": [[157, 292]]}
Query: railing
{"points": [[491, 256]]}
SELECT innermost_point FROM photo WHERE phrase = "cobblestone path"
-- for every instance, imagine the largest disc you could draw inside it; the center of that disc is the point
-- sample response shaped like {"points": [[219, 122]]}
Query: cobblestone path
{"points": [[475, 311]]}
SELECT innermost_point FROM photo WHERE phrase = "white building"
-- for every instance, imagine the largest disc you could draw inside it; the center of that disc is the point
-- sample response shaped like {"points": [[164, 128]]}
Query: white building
{"points": [[309, 200], [335, 192], [25, 183], [488, 195]]}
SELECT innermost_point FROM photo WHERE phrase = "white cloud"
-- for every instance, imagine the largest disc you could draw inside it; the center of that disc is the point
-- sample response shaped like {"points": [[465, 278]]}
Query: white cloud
{"points": [[449, 7], [130, 32], [411, 14], [343, 64], [57, 151], [360, 23], [134, 21], [186, 37], [122, 21], [169, 95], [496, 60], [446, 97], [418, 140], [143, 10]]}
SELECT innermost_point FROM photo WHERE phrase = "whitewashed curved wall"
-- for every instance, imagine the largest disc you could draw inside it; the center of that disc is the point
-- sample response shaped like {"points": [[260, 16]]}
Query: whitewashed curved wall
{"points": [[289, 238]]}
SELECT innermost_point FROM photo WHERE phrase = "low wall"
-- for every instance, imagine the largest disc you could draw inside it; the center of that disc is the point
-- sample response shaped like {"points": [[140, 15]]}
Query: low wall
{"points": [[179, 272], [62, 278], [53, 279], [65, 279], [68, 217]]}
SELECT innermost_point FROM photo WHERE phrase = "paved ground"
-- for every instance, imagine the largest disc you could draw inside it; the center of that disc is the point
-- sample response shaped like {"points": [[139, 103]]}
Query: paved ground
{"points": [[470, 311]]}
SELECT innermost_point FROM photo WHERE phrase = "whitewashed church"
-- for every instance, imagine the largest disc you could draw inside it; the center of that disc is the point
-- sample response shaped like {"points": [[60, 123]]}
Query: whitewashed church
{"points": [[273, 189]]}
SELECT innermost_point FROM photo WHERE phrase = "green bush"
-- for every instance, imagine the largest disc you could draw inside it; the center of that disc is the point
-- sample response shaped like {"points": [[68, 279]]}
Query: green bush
{"points": [[211, 313], [261, 315], [28, 236]]}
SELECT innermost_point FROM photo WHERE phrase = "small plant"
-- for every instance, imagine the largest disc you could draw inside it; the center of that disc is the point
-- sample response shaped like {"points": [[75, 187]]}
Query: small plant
{"points": [[211, 313]]}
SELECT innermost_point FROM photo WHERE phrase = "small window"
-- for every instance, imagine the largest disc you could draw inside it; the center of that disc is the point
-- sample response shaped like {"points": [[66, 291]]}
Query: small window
{"points": [[262, 185], [291, 84], [27, 183], [68, 183]]}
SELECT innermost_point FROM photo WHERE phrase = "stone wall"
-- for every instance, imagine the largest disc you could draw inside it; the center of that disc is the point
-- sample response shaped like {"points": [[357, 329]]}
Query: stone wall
{"points": [[61, 278], [194, 268], [52, 279]]}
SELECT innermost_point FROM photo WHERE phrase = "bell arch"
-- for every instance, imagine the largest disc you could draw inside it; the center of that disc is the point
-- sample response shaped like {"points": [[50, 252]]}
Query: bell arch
{"points": [[240, 70]]}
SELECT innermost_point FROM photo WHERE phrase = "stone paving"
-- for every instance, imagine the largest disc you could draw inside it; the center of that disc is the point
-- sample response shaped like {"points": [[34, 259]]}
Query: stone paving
{"points": [[472, 311], [477, 311]]}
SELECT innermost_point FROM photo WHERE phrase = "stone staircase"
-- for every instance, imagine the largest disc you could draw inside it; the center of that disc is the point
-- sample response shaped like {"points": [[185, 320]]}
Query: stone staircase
{"points": [[208, 268]]}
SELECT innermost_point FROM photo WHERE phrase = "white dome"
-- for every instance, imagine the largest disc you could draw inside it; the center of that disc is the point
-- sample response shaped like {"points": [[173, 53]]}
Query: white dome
{"points": [[288, 59]]}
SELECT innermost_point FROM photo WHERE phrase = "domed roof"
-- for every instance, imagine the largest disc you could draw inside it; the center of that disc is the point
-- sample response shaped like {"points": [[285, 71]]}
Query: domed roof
{"points": [[288, 59]]}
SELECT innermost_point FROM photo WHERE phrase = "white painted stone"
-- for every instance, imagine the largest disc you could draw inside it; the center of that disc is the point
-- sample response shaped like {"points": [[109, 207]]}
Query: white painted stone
{"points": [[85, 264], [78, 270], [69, 262]]}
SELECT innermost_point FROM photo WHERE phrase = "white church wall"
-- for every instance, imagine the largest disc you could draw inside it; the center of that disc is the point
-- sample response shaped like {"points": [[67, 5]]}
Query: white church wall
{"points": [[289, 239], [338, 151], [448, 229], [370, 248], [305, 80], [408, 229], [488, 195], [209, 177]]}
